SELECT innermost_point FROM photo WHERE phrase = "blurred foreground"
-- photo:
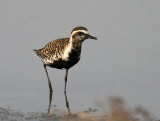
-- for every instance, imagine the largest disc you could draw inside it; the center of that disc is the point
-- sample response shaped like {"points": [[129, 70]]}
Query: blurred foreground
{"points": [[117, 111]]}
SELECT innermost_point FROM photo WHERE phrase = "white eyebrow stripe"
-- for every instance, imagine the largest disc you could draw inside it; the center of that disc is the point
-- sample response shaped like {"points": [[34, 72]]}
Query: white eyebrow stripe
{"points": [[84, 31]]}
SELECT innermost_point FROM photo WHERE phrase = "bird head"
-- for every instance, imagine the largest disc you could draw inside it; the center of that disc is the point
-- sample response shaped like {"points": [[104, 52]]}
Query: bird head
{"points": [[80, 33]]}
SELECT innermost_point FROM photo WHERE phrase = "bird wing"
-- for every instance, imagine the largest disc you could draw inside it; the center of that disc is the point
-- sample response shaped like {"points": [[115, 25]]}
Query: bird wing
{"points": [[55, 47]]}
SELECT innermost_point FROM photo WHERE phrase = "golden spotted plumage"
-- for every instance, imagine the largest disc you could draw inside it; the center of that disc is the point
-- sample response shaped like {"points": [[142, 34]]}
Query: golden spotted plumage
{"points": [[53, 48]]}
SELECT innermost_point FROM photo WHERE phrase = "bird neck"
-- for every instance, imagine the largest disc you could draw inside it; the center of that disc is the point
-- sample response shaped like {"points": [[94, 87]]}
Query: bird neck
{"points": [[76, 43]]}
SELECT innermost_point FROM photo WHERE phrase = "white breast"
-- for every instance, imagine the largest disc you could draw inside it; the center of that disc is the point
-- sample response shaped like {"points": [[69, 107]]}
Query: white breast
{"points": [[68, 49]]}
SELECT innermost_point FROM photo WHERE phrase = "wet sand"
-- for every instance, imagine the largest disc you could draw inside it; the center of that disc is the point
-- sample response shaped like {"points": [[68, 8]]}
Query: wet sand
{"points": [[117, 112], [10, 115]]}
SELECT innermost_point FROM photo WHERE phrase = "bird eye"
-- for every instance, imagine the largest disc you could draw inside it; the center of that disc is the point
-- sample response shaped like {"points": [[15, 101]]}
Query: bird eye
{"points": [[80, 33]]}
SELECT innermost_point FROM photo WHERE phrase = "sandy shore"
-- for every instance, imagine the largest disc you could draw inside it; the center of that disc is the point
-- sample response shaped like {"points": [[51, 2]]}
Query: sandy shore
{"points": [[11, 115]]}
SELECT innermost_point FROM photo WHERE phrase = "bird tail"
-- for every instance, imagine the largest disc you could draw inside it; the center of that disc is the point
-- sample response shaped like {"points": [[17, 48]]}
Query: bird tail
{"points": [[38, 52], [35, 51]]}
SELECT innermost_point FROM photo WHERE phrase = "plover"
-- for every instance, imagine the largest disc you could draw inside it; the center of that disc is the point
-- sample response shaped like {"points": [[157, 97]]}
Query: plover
{"points": [[65, 52]]}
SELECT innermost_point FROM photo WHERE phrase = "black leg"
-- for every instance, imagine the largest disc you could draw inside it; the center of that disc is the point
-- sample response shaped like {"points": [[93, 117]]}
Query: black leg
{"points": [[50, 102], [49, 82], [65, 80]]}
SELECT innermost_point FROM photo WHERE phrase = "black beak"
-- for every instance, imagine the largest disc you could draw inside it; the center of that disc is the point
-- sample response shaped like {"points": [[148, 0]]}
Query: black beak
{"points": [[90, 37]]}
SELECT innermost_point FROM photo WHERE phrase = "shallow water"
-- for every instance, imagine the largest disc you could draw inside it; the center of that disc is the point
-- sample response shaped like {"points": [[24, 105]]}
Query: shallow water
{"points": [[124, 61]]}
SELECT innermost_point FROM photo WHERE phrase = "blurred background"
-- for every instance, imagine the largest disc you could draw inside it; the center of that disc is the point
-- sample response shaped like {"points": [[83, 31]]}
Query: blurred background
{"points": [[124, 61]]}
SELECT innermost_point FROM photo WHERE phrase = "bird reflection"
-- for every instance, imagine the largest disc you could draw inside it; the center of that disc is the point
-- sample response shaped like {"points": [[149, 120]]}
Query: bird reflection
{"points": [[50, 103]]}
